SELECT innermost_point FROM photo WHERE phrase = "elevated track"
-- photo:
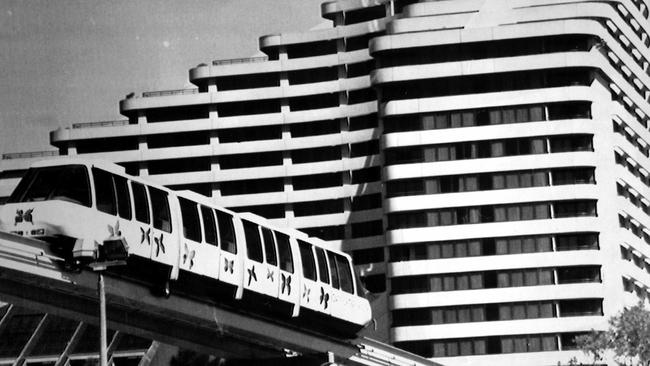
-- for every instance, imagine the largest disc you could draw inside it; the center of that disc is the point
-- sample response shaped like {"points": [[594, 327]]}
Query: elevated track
{"points": [[31, 275]]}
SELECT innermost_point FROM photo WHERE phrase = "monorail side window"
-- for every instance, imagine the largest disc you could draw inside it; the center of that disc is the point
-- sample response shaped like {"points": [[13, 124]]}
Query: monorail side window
{"points": [[104, 192], [284, 252], [67, 183], [140, 202], [160, 206], [323, 271], [209, 226], [112, 193], [190, 216], [308, 264], [269, 247], [333, 270], [226, 232], [345, 274], [123, 198], [253, 241]]}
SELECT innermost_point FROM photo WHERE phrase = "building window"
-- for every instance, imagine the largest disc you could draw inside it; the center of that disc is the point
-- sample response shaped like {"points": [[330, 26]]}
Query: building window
{"points": [[493, 279], [487, 116], [487, 214], [490, 345], [486, 149]]}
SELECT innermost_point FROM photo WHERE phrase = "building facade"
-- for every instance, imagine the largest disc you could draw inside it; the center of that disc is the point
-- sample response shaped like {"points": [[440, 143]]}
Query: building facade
{"points": [[484, 161]]}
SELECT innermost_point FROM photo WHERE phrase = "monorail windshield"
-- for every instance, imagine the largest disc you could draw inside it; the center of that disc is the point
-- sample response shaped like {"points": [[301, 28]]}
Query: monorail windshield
{"points": [[67, 183]]}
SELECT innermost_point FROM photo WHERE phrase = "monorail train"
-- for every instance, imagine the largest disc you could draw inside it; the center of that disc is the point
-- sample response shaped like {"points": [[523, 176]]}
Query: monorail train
{"points": [[182, 241]]}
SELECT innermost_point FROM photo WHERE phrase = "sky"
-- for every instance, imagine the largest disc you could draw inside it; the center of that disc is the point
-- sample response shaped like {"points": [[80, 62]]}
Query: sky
{"points": [[71, 61]]}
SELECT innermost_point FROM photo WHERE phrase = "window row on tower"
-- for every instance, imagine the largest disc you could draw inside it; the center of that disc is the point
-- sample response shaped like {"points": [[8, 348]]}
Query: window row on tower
{"points": [[494, 246], [489, 149], [492, 345], [497, 312], [487, 116], [494, 279], [490, 181]]}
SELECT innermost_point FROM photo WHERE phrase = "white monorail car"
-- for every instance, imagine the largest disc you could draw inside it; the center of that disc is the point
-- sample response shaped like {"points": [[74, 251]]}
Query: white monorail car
{"points": [[181, 241]]}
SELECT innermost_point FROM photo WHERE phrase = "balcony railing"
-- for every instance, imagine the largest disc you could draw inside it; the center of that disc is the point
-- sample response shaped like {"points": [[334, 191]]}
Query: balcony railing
{"points": [[31, 154], [121, 122], [163, 93], [244, 60]]}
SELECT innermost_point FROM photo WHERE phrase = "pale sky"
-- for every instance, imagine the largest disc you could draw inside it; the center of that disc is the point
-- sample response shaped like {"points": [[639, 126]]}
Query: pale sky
{"points": [[71, 61]]}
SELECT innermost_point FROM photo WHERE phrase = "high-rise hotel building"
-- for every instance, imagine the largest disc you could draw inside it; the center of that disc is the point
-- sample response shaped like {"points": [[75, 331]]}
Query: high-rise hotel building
{"points": [[485, 161]]}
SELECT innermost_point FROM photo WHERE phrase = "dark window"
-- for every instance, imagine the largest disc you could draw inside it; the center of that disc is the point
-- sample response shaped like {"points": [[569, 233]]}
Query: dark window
{"points": [[581, 307], [575, 208], [345, 274], [307, 76], [317, 181], [375, 283], [364, 148], [248, 81], [123, 197], [369, 228], [317, 207], [190, 216], [160, 207], [141, 202], [363, 122], [260, 106], [251, 160], [366, 175], [177, 113], [577, 241], [269, 247], [360, 69], [580, 274], [333, 270], [209, 226], [178, 139], [256, 133], [106, 144], [226, 232], [252, 186], [316, 154], [336, 232], [267, 211], [364, 14], [318, 101], [104, 192], [315, 128], [571, 143], [317, 48], [371, 255], [308, 264], [284, 252], [573, 176], [68, 183], [253, 241], [323, 271]]}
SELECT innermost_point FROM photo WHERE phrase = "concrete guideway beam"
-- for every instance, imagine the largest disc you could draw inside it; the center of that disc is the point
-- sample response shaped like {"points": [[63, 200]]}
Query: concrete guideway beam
{"points": [[32, 276]]}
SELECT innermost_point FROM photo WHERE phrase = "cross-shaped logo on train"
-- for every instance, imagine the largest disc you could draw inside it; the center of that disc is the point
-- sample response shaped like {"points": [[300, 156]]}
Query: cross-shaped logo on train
{"points": [[160, 246], [286, 283], [25, 216], [189, 254], [145, 236], [306, 292], [228, 265]]}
